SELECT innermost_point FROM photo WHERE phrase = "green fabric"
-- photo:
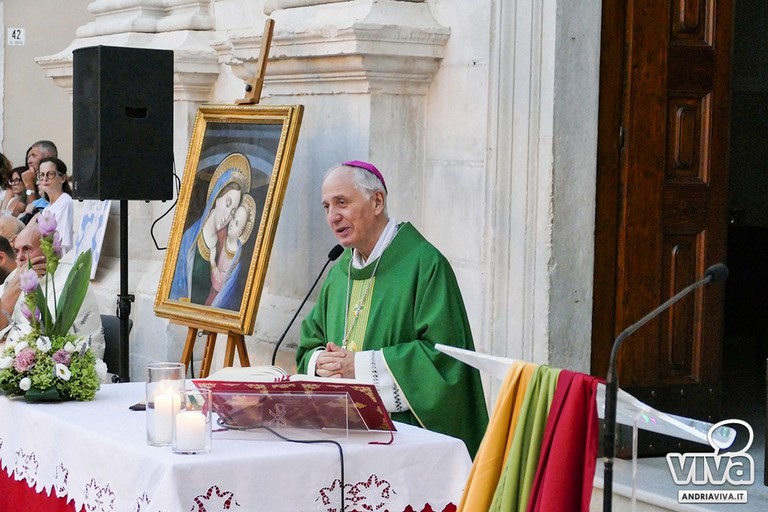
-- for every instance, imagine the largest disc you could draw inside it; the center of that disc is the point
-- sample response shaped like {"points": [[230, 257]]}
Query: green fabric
{"points": [[516, 480], [415, 303], [201, 279]]}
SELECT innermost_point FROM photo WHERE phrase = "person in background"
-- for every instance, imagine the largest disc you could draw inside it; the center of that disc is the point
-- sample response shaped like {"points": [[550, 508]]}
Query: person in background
{"points": [[5, 175], [28, 252], [10, 226], [7, 260], [382, 308], [36, 152], [18, 201], [54, 186]]}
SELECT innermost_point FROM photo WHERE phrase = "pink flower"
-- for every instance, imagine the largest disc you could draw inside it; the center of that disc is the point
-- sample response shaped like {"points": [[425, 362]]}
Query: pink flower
{"points": [[25, 360], [47, 223], [25, 311], [62, 357], [57, 244], [28, 280]]}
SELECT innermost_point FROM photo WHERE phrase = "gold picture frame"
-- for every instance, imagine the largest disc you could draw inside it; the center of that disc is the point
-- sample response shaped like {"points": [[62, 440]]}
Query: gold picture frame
{"points": [[221, 236]]}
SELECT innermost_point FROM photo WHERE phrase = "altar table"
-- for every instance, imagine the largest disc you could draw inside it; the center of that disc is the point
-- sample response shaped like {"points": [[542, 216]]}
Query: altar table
{"points": [[93, 456]]}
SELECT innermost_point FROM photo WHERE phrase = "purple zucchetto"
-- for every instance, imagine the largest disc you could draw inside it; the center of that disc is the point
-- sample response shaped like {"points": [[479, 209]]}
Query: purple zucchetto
{"points": [[368, 167]]}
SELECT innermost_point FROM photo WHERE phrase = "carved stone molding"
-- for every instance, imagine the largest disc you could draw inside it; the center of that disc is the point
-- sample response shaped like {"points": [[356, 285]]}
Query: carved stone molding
{"points": [[354, 46], [195, 68], [147, 16], [273, 5]]}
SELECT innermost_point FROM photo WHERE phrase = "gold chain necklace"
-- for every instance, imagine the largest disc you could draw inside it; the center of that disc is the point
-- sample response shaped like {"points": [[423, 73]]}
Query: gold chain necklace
{"points": [[358, 309]]}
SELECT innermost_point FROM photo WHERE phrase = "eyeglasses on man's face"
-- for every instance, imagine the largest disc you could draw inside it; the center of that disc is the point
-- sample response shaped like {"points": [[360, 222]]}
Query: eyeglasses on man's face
{"points": [[46, 175], [14, 181]]}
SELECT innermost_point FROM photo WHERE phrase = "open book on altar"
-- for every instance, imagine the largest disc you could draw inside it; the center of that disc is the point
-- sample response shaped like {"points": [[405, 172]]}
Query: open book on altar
{"points": [[267, 396]]}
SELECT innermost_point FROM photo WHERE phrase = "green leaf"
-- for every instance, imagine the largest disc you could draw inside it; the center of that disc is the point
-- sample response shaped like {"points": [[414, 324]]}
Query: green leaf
{"points": [[73, 294], [42, 395], [42, 305]]}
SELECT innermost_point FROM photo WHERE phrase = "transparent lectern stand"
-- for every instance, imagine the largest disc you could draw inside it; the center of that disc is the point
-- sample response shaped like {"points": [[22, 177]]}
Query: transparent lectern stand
{"points": [[247, 411], [629, 410]]}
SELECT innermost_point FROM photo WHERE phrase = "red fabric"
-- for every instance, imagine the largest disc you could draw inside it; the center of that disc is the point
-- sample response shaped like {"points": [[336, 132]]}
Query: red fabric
{"points": [[17, 496], [569, 447], [428, 508]]}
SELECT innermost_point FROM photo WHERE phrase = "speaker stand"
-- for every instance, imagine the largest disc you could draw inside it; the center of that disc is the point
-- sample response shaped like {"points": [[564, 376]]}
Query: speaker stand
{"points": [[124, 299]]}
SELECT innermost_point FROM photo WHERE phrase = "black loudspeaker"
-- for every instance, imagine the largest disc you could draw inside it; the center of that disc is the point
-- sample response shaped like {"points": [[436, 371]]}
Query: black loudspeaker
{"points": [[122, 123]]}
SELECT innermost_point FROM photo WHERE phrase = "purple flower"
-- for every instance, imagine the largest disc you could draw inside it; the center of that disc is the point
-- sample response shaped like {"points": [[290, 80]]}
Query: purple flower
{"points": [[28, 280], [46, 222], [25, 360], [62, 357], [26, 311], [57, 244]]}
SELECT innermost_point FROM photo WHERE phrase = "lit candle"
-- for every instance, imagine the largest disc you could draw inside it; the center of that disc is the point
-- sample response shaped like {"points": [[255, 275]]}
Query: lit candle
{"points": [[167, 404], [190, 432]]}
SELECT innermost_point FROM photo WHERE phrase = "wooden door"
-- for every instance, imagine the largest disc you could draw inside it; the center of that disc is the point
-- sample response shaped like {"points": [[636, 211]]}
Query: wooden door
{"points": [[661, 196]]}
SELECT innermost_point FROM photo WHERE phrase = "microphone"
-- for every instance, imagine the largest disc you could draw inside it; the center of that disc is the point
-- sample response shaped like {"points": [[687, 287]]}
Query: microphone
{"points": [[715, 273], [718, 272], [333, 255]]}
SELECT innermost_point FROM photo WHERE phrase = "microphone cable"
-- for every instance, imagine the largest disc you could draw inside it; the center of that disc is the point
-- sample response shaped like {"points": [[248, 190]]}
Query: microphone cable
{"points": [[333, 255], [316, 441]]}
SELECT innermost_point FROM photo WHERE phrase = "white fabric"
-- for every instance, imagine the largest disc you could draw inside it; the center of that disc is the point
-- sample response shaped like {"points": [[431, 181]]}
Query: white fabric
{"points": [[63, 210], [371, 368], [99, 452], [390, 230]]}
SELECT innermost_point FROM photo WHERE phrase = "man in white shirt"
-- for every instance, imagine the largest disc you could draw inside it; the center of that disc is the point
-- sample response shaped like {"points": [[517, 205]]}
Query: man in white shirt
{"points": [[27, 248]]}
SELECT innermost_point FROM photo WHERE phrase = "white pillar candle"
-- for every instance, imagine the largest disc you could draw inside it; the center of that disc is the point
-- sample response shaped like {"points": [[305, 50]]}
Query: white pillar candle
{"points": [[167, 403], [190, 431]]}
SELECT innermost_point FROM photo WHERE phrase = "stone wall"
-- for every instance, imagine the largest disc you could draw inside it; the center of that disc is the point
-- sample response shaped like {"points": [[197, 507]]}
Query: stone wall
{"points": [[482, 116]]}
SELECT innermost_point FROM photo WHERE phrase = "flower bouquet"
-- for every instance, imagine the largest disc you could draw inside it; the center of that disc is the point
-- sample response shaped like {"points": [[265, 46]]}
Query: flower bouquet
{"points": [[42, 360]]}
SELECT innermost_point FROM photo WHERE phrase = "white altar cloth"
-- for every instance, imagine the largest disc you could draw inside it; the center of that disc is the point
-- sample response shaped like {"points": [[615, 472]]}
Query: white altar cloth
{"points": [[95, 453]]}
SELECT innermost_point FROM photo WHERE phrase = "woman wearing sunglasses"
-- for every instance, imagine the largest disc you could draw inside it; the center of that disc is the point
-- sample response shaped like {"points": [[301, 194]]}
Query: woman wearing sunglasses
{"points": [[54, 185]]}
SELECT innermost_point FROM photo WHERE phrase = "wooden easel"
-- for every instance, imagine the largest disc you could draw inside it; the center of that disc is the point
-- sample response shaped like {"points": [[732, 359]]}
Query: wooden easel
{"points": [[235, 341], [253, 88]]}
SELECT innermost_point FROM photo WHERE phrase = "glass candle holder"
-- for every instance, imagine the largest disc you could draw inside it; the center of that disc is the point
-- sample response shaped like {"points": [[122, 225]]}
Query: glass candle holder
{"points": [[192, 423], [164, 395]]}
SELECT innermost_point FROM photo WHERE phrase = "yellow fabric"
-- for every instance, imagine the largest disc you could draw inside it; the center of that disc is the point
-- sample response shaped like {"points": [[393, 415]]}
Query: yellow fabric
{"points": [[491, 457], [516, 480], [357, 316]]}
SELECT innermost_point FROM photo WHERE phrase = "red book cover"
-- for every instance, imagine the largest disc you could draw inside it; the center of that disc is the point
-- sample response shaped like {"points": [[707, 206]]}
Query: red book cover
{"points": [[256, 397]]}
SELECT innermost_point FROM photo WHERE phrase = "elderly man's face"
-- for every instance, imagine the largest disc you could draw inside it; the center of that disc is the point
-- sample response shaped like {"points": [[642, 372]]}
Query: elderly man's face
{"points": [[350, 215], [27, 245]]}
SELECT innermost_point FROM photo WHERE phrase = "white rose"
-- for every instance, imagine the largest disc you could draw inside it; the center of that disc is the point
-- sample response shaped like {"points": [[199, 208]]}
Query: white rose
{"points": [[6, 362], [82, 345], [20, 346], [101, 371], [63, 372], [44, 343], [11, 343], [69, 347], [25, 384]]}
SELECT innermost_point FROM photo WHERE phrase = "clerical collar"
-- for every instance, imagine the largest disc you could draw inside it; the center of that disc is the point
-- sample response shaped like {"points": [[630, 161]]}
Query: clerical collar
{"points": [[390, 230]]}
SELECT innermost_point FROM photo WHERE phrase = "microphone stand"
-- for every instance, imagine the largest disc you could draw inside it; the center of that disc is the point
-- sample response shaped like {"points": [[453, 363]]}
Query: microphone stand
{"points": [[717, 272], [332, 256]]}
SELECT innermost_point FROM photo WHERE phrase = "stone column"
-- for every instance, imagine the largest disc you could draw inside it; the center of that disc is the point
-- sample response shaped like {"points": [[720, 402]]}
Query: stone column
{"points": [[186, 27]]}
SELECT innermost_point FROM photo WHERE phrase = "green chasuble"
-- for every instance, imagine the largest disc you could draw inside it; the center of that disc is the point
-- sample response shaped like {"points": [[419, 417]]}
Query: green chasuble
{"points": [[415, 304]]}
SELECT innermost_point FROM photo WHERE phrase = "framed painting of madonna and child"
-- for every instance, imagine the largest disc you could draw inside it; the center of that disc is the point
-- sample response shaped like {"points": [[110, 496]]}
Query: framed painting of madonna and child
{"points": [[232, 190]]}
